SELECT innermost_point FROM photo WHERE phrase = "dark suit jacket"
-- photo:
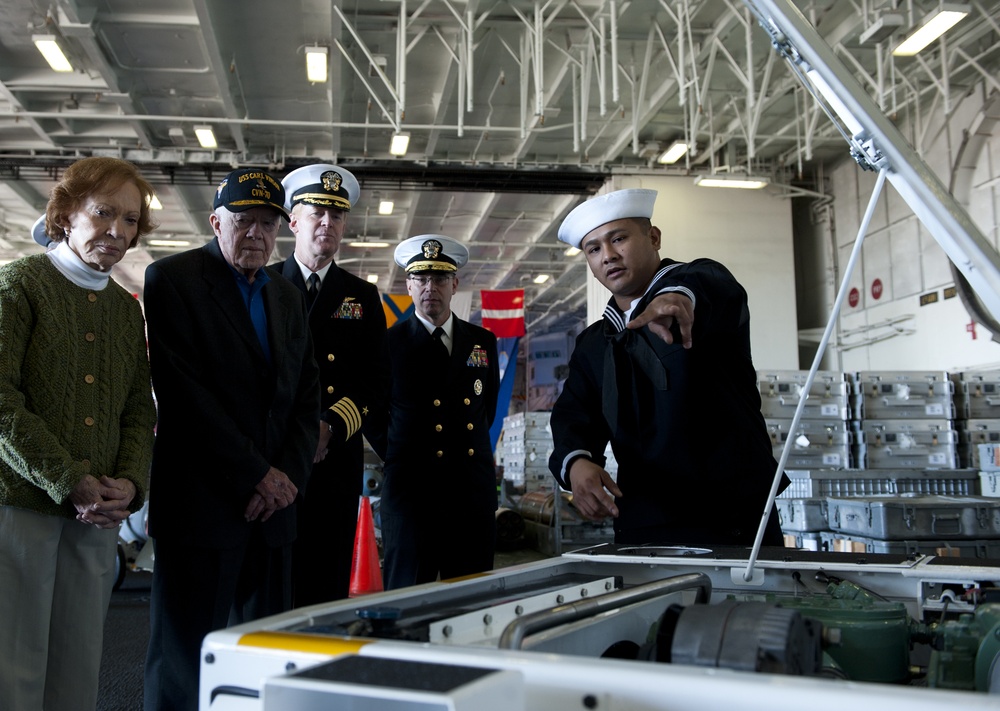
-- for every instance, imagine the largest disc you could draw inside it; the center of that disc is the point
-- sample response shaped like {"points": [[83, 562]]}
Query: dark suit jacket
{"points": [[437, 446], [225, 414], [348, 330]]}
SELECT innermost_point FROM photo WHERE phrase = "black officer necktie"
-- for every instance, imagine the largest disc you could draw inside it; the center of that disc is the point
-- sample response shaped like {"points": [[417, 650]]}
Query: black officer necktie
{"points": [[438, 337], [312, 289]]}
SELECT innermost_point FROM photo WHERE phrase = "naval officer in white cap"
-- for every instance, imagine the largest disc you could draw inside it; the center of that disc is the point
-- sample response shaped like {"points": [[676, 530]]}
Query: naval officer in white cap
{"points": [[347, 322], [666, 377], [439, 500]]}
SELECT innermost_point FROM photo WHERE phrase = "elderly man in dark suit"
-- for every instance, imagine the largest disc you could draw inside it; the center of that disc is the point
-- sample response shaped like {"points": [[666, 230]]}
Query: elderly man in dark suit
{"points": [[348, 328], [238, 396], [439, 498]]}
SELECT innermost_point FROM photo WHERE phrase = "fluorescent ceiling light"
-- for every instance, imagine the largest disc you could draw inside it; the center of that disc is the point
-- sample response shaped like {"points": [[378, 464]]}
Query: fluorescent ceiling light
{"points": [[737, 181], [53, 54], [572, 251], [937, 22], [673, 154], [316, 64], [385, 207], [154, 203], [206, 137], [400, 142], [368, 245], [373, 278], [541, 278], [168, 243]]}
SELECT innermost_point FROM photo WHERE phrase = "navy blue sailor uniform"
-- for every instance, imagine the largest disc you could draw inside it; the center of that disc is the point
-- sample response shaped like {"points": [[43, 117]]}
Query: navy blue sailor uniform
{"points": [[439, 498], [695, 464]]}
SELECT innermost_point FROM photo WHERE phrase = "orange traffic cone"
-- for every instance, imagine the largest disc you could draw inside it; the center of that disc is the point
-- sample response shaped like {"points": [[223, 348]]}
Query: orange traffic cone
{"points": [[366, 575]]}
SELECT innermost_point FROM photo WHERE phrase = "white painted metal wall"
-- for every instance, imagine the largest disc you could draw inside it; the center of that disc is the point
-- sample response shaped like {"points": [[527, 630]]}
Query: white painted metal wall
{"points": [[888, 328]]}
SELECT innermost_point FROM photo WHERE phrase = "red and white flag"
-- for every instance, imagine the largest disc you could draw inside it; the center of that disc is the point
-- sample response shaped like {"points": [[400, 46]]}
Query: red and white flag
{"points": [[503, 312]]}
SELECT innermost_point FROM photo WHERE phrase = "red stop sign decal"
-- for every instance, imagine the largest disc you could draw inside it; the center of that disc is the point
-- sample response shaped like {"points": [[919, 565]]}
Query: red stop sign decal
{"points": [[853, 297], [877, 289]]}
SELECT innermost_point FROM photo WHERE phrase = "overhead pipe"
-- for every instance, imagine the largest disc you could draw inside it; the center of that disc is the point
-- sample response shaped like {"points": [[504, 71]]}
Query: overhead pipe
{"points": [[525, 59], [576, 109], [614, 51], [469, 52], [539, 51], [602, 68], [401, 52], [463, 74], [586, 72]]}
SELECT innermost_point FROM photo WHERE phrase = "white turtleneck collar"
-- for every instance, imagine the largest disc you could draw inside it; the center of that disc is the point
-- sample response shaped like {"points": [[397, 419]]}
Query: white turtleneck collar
{"points": [[73, 268]]}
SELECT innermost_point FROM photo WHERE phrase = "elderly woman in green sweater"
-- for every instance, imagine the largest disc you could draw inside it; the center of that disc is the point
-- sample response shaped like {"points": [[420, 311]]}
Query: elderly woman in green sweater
{"points": [[76, 434]]}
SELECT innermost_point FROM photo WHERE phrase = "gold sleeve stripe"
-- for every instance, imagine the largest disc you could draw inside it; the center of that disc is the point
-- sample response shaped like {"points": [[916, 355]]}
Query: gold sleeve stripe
{"points": [[348, 411]]}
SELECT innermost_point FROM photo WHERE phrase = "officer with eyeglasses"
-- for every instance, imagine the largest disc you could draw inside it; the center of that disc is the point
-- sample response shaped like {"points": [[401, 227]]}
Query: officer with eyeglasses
{"points": [[438, 506]]}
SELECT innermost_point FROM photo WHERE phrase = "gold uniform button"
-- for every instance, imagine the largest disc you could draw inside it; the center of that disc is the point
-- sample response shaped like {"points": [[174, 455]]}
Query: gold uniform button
{"points": [[330, 357], [469, 427], [88, 379], [468, 401], [438, 428], [437, 403], [89, 337], [329, 389], [471, 452], [85, 462], [89, 421], [91, 298], [440, 453]]}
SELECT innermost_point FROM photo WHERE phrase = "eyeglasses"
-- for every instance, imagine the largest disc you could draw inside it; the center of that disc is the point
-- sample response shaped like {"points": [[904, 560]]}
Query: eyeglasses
{"points": [[243, 223], [423, 280]]}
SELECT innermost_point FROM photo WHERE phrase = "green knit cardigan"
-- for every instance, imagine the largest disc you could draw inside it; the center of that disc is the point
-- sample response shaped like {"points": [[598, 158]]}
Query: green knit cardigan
{"points": [[75, 393]]}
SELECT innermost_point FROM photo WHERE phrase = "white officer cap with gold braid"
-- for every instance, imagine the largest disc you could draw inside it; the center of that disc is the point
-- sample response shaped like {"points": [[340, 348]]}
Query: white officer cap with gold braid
{"points": [[589, 215], [431, 253], [321, 184]]}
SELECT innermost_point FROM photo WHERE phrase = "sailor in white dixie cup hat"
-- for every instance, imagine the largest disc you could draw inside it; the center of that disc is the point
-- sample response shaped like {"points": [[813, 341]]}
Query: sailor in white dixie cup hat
{"points": [[444, 387], [348, 326], [634, 202], [670, 357]]}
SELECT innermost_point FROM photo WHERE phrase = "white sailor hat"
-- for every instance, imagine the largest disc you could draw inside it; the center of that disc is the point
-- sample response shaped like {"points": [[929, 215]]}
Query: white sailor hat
{"points": [[431, 253], [39, 234], [589, 215], [321, 184]]}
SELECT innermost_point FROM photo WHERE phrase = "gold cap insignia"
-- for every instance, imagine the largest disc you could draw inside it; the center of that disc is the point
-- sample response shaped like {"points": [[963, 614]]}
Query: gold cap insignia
{"points": [[331, 180], [431, 249]]}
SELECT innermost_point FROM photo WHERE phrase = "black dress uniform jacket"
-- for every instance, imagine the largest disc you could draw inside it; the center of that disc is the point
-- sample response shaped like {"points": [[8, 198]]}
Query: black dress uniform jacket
{"points": [[438, 446], [694, 458], [348, 328], [439, 497]]}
